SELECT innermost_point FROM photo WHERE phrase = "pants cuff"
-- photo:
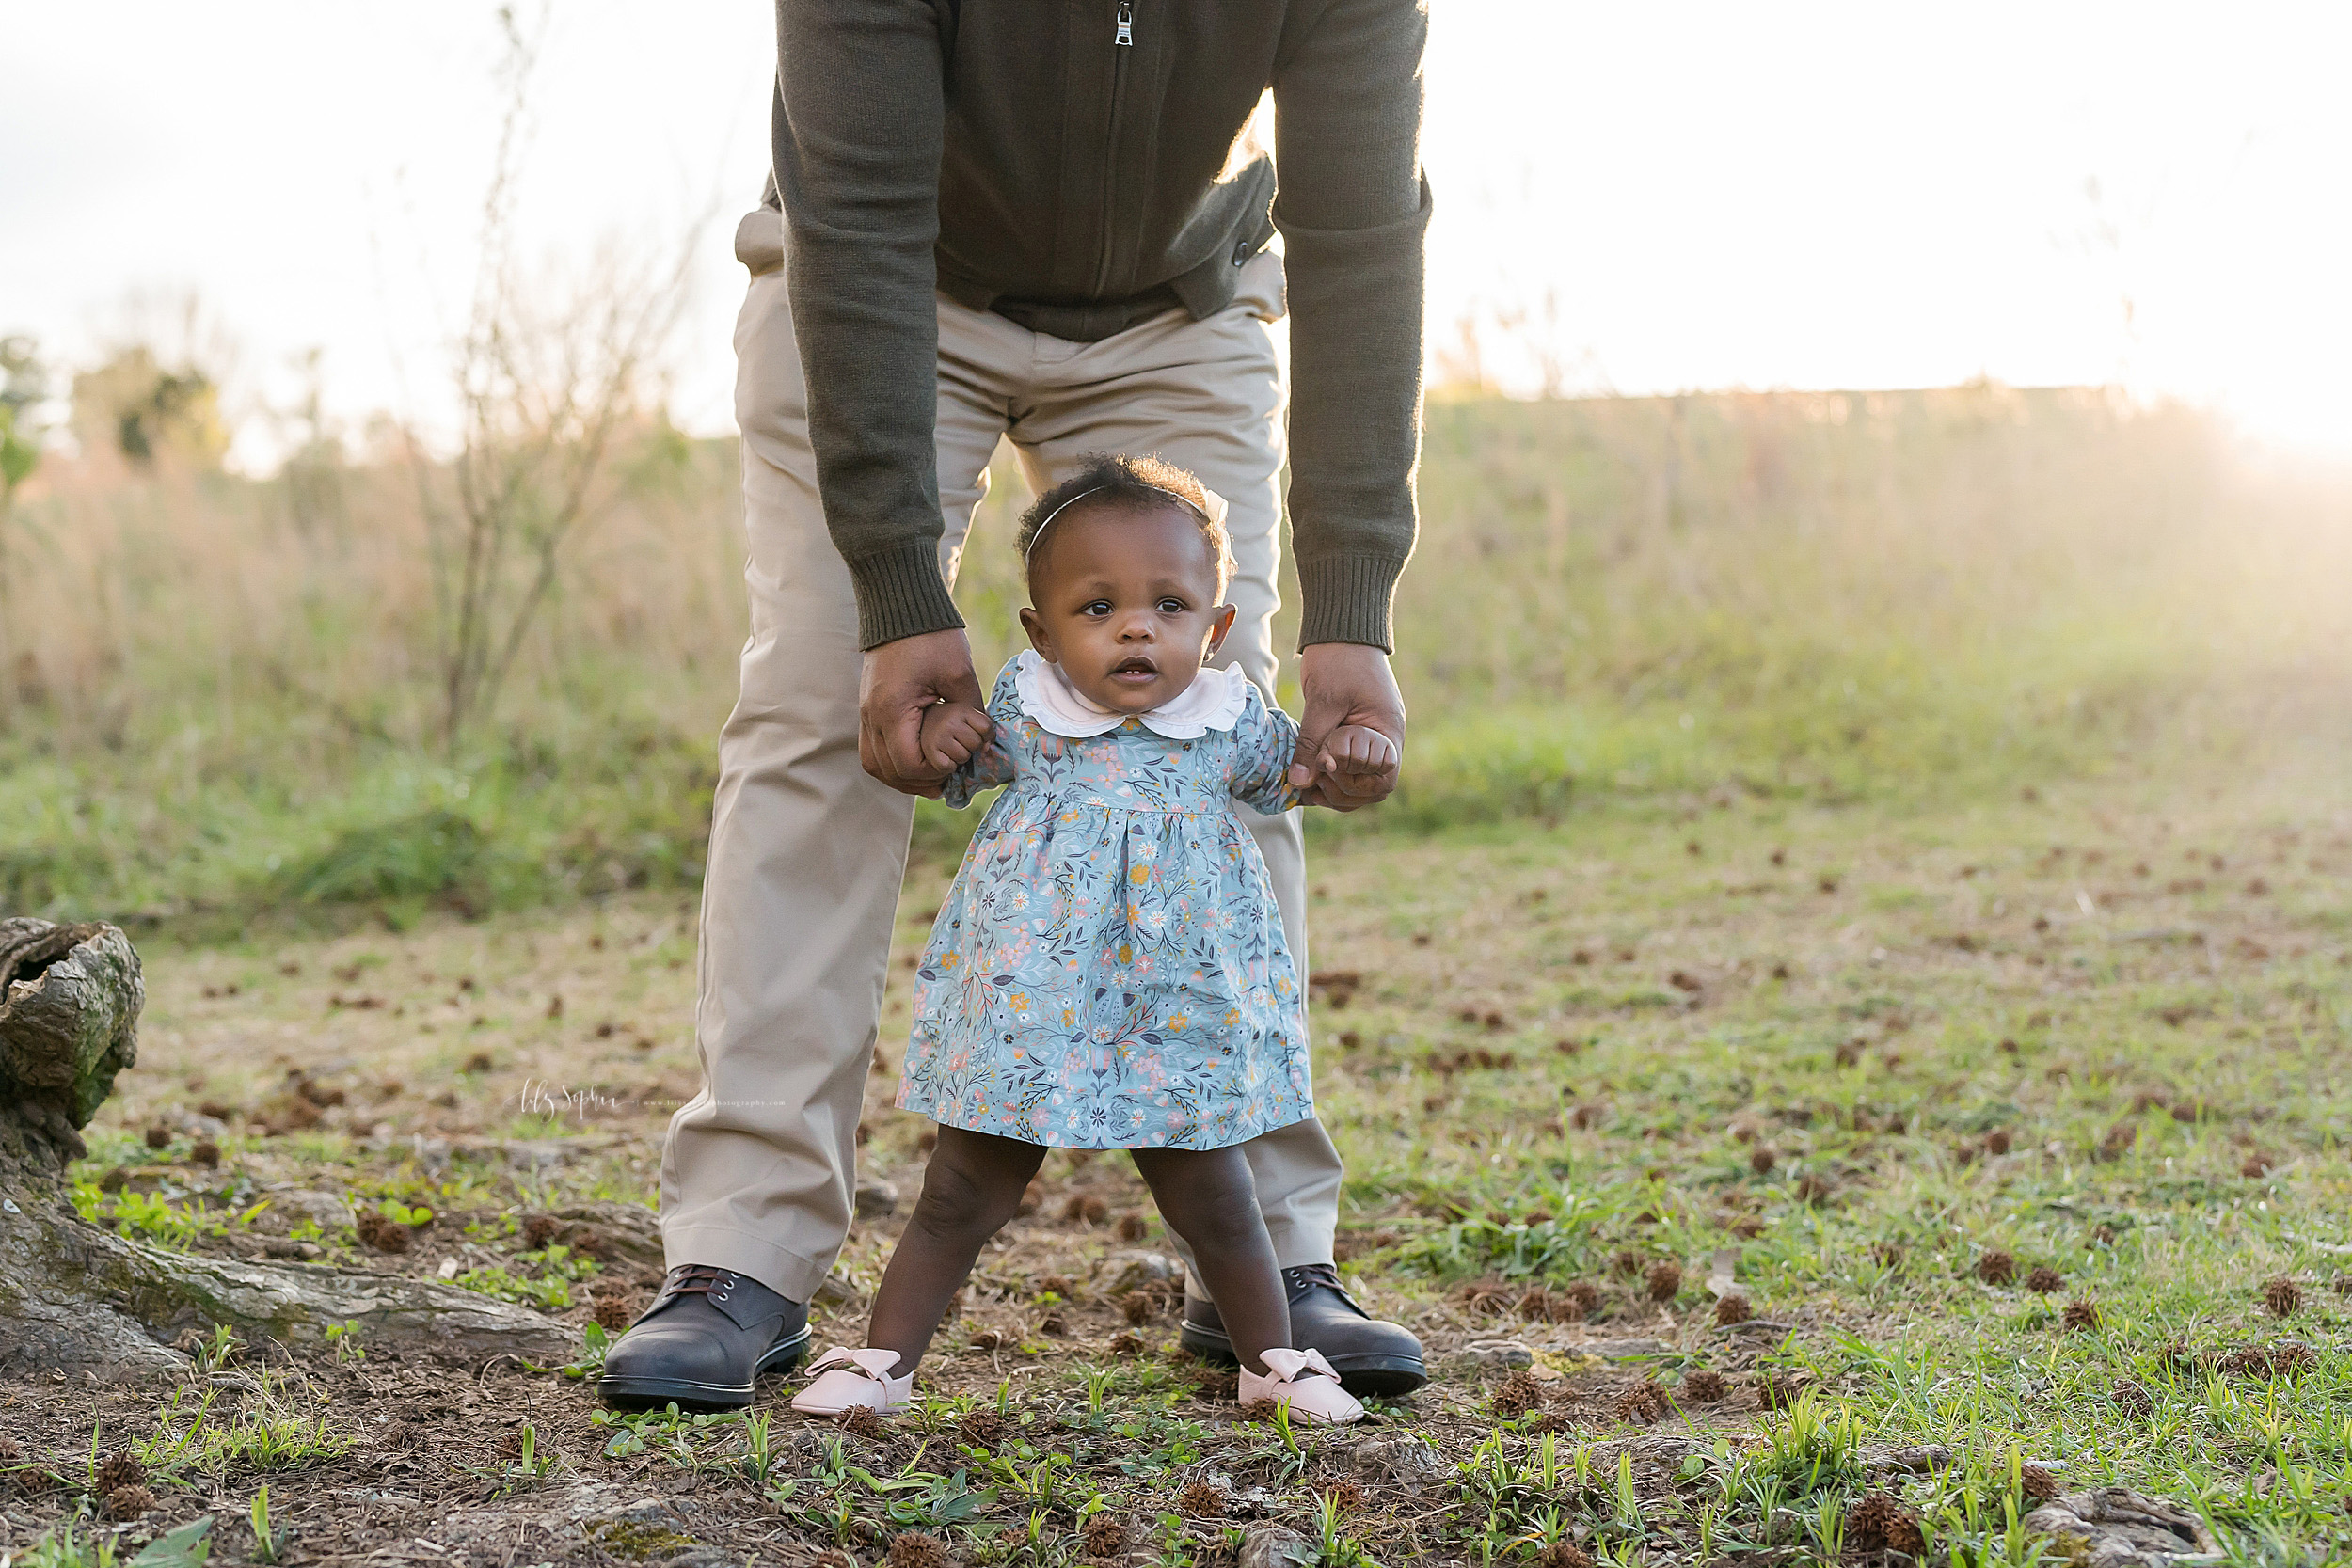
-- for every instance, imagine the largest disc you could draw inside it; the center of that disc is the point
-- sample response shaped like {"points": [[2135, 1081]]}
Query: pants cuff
{"points": [[1297, 1246], [789, 1275]]}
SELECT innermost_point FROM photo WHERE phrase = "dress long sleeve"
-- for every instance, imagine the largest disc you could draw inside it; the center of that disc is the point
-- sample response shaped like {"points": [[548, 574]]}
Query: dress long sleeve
{"points": [[988, 767], [1265, 741]]}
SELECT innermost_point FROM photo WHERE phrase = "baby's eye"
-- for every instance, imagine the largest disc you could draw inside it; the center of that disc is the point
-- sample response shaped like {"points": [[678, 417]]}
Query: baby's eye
{"points": [[1171, 606], [1097, 607]]}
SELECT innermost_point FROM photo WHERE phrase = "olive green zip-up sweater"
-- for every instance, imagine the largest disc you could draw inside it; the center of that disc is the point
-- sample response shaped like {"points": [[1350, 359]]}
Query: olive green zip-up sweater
{"points": [[1079, 165]]}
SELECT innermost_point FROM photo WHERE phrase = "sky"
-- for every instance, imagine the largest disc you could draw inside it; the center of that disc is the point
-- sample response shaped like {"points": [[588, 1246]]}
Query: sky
{"points": [[1638, 198]]}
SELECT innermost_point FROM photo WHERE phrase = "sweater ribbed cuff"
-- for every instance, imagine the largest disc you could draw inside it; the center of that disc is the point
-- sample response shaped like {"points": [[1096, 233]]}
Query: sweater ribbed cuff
{"points": [[1347, 599], [900, 594]]}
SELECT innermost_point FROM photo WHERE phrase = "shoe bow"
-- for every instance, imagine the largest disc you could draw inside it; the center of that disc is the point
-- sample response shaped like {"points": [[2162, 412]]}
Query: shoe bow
{"points": [[872, 1362], [1288, 1366]]}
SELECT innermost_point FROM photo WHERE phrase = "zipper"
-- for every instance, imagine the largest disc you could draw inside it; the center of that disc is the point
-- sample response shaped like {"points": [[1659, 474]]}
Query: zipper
{"points": [[1124, 39]]}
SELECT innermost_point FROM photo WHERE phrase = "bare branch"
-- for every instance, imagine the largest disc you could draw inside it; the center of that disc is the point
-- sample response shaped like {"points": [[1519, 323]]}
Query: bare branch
{"points": [[548, 372]]}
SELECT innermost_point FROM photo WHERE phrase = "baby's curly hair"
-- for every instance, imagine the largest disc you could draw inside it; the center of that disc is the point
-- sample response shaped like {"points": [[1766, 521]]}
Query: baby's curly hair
{"points": [[1137, 483]]}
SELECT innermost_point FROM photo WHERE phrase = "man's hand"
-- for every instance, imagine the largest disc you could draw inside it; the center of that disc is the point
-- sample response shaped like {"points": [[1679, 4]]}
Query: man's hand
{"points": [[897, 683], [1359, 762], [1346, 685]]}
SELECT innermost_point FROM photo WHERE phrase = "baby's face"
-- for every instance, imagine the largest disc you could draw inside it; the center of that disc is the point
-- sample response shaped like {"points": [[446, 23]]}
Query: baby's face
{"points": [[1126, 603]]}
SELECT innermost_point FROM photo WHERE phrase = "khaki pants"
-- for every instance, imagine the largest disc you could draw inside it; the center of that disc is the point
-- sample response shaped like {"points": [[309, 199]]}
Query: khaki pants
{"points": [[806, 851]]}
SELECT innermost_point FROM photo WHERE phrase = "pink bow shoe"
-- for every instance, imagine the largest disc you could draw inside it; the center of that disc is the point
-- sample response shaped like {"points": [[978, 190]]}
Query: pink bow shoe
{"points": [[855, 1380], [1303, 1380]]}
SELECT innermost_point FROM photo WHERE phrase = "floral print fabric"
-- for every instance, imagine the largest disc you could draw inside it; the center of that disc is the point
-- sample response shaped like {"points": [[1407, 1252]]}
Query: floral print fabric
{"points": [[1109, 970]]}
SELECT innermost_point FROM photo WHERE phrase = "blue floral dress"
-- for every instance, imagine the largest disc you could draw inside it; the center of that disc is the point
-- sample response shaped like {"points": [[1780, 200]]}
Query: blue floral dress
{"points": [[1109, 970]]}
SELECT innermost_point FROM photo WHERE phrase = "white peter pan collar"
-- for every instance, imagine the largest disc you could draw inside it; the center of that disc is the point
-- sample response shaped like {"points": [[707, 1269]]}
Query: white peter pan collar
{"points": [[1214, 701]]}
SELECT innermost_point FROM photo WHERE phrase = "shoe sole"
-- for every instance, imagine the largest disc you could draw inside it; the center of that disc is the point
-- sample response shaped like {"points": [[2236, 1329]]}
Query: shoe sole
{"points": [[1383, 1376], [653, 1393]]}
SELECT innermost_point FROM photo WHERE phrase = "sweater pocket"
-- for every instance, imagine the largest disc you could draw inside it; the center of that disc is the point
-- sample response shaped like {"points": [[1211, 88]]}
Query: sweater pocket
{"points": [[1240, 216]]}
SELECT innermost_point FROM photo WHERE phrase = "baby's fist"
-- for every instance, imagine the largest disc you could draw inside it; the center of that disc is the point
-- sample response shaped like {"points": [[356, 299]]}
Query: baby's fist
{"points": [[952, 732]]}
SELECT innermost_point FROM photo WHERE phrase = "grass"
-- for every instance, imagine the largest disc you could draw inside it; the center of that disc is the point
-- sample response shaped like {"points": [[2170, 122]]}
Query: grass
{"points": [[545, 1279], [1844, 844], [222, 708], [1959, 1028], [2151, 1057], [283, 1427]]}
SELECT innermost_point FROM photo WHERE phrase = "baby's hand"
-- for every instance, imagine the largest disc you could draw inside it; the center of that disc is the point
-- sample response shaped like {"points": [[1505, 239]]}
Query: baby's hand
{"points": [[952, 732], [1362, 760]]}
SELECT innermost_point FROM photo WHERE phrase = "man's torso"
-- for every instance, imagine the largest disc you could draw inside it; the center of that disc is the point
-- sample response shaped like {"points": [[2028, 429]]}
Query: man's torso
{"points": [[1101, 159]]}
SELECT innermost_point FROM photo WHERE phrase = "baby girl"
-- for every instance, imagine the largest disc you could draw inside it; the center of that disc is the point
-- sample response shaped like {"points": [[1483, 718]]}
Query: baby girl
{"points": [[1109, 970]]}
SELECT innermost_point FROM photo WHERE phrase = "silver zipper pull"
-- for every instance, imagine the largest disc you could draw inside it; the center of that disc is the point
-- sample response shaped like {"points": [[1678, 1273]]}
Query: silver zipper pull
{"points": [[1127, 24]]}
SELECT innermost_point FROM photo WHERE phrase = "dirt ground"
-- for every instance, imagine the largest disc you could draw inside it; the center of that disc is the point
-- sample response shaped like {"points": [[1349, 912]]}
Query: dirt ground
{"points": [[1830, 1058]]}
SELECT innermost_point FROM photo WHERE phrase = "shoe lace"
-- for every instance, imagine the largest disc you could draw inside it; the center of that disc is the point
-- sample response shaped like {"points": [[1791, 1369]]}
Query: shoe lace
{"points": [[1308, 1275], [688, 1279]]}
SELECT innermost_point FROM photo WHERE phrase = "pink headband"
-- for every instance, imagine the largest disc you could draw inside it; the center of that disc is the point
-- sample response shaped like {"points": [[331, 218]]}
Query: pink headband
{"points": [[1047, 520]]}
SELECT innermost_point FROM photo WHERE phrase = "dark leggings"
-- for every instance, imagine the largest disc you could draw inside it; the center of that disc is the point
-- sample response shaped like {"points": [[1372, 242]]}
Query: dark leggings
{"points": [[974, 1186]]}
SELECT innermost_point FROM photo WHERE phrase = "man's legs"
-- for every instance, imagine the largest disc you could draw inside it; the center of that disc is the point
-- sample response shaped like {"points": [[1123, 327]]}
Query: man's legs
{"points": [[807, 852], [806, 857]]}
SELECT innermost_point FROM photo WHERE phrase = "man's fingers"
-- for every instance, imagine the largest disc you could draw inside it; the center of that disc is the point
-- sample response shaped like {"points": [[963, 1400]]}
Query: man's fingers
{"points": [[1317, 779], [1359, 748], [1375, 751], [902, 742], [1357, 769], [1346, 688], [897, 683], [1345, 751]]}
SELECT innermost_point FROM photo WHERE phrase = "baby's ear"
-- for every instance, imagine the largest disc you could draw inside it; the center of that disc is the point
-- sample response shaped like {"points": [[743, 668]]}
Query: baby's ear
{"points": [[1034, 623], [1220, 622]]}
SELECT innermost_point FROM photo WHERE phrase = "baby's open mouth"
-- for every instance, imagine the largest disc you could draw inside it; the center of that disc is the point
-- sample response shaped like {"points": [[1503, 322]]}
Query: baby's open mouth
{"points": [[1137, 669]]}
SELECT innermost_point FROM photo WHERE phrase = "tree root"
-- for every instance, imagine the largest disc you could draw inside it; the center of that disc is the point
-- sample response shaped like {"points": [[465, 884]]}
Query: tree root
{"points": [[73, 1296], [99, 1303]]}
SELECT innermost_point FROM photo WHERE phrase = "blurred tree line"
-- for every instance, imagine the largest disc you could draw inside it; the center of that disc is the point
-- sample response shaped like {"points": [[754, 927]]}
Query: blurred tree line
{"points": [[560, 392]]}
